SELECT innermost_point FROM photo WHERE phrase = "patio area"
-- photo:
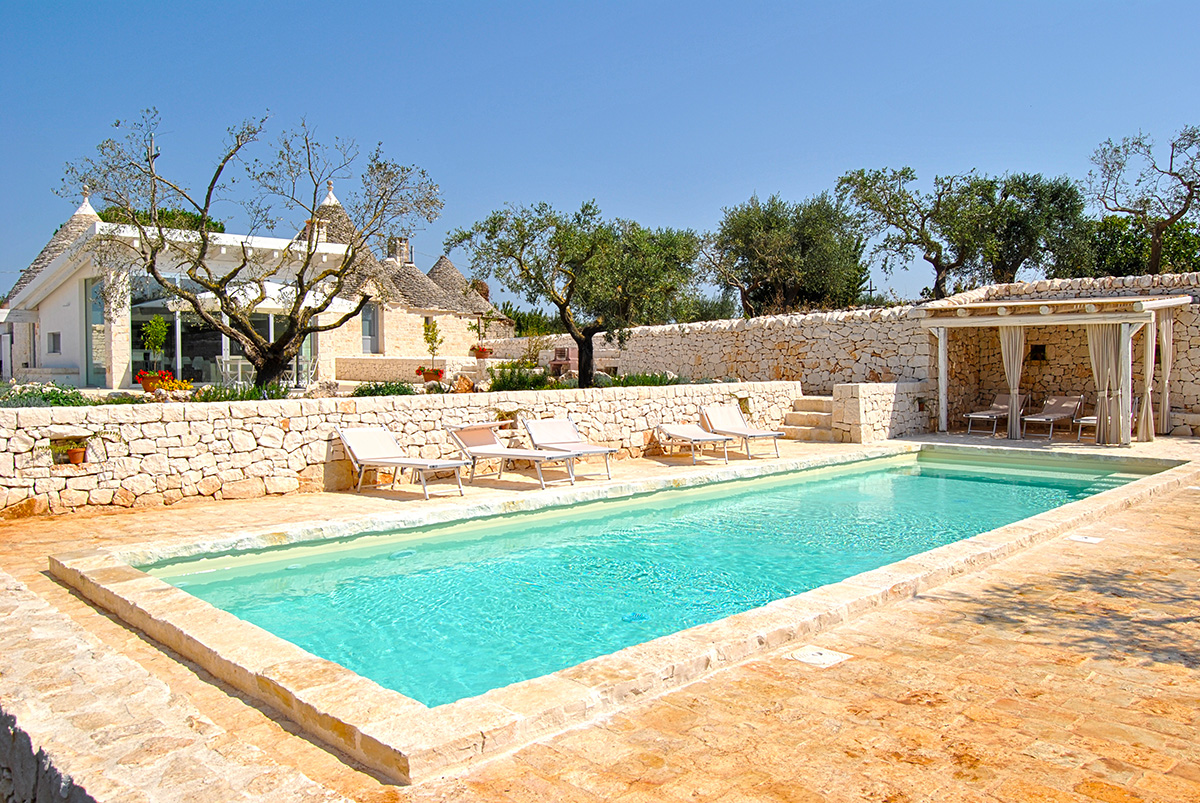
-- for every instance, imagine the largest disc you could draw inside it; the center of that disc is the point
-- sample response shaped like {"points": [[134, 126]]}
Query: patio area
{"points": [[1070, 671]]}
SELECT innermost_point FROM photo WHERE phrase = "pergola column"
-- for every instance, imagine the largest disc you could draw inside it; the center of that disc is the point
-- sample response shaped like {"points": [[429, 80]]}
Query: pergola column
{"points": [[1125, 358], [943, 369]]}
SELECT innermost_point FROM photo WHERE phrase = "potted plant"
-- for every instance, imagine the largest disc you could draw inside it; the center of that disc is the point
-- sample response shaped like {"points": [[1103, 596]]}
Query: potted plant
{"points": [[431, 374], [75, 449], [433, 340], [151, 380], [154, 338], [480, 327]]}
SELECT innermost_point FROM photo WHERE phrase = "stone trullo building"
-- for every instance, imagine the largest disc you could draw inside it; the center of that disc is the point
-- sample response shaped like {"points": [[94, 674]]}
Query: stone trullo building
{"points": [[56, 325]]}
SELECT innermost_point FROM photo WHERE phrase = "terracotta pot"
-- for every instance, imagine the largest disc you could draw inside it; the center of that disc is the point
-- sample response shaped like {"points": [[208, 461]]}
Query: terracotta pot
{"points": [[481, 354], [432, 376], [77, 456], [150, 385]]}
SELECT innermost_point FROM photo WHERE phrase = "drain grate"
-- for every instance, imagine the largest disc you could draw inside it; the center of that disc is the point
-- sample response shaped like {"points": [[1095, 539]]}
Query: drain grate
{"points": [[1085, 539]]}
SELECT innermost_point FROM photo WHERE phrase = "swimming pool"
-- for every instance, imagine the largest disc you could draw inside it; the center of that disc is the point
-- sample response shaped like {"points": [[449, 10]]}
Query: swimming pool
{"points": [[454, 611]]}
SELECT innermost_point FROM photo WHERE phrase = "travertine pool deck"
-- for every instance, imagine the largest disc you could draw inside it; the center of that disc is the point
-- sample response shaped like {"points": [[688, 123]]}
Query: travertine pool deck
{"points": [[1068, 671]]}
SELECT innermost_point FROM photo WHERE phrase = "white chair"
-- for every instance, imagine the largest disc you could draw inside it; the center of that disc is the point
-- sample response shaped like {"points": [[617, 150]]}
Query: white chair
{"points": [[561, 435], [480, 442], [691, 435], [376, 447], [728, 419]]}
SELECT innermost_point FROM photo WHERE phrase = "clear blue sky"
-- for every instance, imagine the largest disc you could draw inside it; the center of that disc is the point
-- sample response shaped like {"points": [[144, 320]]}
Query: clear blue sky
{"points": [[663, 112]]}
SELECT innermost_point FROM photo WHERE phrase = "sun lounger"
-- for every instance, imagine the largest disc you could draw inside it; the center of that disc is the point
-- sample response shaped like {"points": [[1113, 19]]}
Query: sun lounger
{"points": [[480, 442], [998, 411], [561, 435], [727, 419], [1056, 408], [376, 447], [691, 435], [1090, 420]]}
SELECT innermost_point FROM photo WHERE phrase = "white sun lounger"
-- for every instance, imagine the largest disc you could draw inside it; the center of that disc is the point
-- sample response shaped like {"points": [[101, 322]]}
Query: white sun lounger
{"points": [[997, 411], [691, 435], [727, 419], [376, 447], [1056, 408], [561, 435], [480, 442]]}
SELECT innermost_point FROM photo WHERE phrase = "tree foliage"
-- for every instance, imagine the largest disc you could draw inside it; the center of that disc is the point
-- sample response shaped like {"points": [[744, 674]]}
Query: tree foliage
{"points": [[1119, 246], [1130, 180], [167, 218], [599, 276], [945, 227], [780, 256], [283, 192], [1030, 222]]}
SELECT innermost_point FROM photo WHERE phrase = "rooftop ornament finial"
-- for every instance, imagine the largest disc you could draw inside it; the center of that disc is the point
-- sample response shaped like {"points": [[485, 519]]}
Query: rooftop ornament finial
{"points": [[329, 185]]}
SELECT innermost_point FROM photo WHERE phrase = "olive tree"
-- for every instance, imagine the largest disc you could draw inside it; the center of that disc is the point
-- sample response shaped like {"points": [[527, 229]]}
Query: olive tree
{"points": [[1156, 191], [780, 256], [599, 276], [281, 192], [945, 227]]}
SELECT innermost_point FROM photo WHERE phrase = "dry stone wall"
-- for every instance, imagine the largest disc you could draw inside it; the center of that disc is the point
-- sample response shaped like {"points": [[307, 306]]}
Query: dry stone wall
{"points": [[231, 450], [878, 411], [819, 349]]}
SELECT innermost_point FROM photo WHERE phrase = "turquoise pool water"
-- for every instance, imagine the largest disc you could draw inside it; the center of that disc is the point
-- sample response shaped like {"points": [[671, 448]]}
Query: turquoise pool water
{"points": [[458, 610]]}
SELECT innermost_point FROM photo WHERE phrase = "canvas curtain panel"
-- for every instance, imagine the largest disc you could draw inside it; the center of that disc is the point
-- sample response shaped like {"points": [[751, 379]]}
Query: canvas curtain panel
{"points": [[1104, 346], [1012, 352]]}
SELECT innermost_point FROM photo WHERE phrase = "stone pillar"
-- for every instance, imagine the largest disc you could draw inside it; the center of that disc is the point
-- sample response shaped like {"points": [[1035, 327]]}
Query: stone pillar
{"points": [[117, 336]]}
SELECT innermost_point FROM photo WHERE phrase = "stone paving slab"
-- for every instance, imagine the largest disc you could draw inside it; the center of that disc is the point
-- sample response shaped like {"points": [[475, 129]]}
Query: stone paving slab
{"points": [[81, 722]]}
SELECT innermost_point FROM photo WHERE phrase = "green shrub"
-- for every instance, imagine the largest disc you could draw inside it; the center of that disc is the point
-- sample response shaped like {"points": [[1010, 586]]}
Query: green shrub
{"points": [[214, 393], [36, 394], [512, 376], [396, 388], [647, 380]]}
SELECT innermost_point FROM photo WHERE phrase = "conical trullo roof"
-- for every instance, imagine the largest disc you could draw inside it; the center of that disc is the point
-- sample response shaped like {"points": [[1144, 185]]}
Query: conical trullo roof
{"points": [[67, 233], [451, 280], [416, 288]]}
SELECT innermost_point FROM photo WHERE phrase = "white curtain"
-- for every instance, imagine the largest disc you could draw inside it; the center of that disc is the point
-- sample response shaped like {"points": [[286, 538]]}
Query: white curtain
{"points": [[1012, 353], [1104, 345], [1145, 422], [1166, 350]]}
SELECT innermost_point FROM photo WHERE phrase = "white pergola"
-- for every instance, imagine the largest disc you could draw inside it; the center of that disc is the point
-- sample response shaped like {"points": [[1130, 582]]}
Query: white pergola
{"points": [[1111, 323]]}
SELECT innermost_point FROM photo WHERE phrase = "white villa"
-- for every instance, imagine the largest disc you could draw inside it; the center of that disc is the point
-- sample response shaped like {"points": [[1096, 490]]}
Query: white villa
{"points": [[55, 325]]}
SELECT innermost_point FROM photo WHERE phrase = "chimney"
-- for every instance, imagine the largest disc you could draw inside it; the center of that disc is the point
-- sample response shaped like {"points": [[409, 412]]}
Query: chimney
{"points": [[314, 230], [399, 250]]}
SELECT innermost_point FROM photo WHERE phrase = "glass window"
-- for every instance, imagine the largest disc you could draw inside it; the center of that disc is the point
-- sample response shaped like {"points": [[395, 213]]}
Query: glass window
{"points": [[370, 328], [54, 343]]}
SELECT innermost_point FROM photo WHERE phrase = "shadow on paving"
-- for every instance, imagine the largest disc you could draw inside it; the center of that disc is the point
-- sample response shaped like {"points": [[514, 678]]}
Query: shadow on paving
{"points": [[1136, 613]]}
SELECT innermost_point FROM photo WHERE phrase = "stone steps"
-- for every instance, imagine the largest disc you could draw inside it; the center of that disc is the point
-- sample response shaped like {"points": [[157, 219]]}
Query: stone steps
{"points": [[811, 419], [807, 419], [817, 434], [813, 404]]}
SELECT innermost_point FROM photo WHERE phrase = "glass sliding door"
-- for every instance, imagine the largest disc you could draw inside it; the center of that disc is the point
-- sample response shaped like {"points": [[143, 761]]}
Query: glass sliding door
{"points": [[95, 341]]}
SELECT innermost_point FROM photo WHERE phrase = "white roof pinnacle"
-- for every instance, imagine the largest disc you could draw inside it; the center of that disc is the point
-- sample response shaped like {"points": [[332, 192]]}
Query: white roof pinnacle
{"points": [[330, 199], [85, 208]]}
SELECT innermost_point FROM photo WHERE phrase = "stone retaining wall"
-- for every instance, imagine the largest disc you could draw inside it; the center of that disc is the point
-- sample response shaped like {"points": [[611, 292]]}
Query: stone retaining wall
{"points": [[234, 450], [871, 412], [821, 349]]}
